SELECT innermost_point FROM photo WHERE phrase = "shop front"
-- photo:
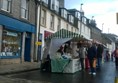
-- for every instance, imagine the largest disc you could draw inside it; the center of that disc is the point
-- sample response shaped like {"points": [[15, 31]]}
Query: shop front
{"points": [[16, 40]]}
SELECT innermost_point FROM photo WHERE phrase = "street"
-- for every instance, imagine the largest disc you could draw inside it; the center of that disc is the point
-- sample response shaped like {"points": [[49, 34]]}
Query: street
{"points": [[106, 75]]}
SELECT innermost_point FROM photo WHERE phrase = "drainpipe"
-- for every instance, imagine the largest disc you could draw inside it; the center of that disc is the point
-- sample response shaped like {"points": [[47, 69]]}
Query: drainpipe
{"points": [[38, 21]]}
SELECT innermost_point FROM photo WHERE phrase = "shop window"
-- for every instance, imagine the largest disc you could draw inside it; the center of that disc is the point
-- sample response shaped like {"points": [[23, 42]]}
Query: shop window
{"points": [[10, 44], [6, 5]]}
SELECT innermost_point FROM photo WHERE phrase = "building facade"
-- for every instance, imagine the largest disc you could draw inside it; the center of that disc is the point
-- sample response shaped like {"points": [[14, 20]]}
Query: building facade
{"points": [[53, 18], [17, 30], [95, 32]]}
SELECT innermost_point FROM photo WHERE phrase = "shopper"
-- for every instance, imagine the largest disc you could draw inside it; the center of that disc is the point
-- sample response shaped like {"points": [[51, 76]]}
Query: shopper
{"points": [[91, 54], [116, 57], [99, 55], [82, 55]]}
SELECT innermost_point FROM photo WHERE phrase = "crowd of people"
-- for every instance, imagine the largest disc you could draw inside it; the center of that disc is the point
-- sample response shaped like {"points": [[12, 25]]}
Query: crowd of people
{"points": [[94, 54]]}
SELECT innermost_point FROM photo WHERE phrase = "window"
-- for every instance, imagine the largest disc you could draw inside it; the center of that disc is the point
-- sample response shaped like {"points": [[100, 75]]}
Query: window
{"points": [[24, 9], [84, 20], [77, 14], [11, 44], [71, 19], [45, 1], [59, 24], [43, 17], [52, 22], [52, 4], [6, 5], [67, 27], [64, 13], [57, 5], [71, 29]]}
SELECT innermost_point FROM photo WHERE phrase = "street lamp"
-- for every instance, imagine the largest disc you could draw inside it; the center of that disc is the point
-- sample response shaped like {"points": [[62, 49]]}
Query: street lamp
{"points": [[81, 15], [102, 27], [108, 30]]}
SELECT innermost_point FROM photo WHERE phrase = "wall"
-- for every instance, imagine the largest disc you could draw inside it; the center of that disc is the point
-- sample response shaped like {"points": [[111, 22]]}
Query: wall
{"points": [[16, 10]]}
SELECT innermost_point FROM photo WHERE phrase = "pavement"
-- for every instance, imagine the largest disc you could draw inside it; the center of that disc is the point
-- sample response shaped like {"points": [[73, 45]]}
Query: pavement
{"points": [[17, 68], [21, 67]]}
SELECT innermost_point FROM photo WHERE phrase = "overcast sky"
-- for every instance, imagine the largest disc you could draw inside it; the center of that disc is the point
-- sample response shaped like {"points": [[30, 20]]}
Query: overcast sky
{"points": [[104, 11]]}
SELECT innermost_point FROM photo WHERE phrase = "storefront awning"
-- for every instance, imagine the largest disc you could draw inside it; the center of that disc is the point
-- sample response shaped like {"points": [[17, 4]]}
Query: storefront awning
{"points": [[63, 34], [15, 24]]}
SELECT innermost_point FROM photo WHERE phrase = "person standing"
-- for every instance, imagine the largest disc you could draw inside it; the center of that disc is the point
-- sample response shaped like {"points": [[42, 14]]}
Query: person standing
{"points": [[91, 54], [99, 55], [82, 54], [116, 57]]}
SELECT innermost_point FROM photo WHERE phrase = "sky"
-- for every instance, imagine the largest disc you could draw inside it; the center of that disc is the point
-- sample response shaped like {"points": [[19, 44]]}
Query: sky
{"points": [[104, 12]]}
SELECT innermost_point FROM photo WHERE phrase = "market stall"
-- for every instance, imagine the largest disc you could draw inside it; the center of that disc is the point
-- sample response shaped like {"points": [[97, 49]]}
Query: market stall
{"points": [[66, 61]]}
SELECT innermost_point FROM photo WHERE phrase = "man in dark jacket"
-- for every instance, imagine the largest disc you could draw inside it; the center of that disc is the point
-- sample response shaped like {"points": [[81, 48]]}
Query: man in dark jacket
{"points": [[91, 54], [99, 55]]}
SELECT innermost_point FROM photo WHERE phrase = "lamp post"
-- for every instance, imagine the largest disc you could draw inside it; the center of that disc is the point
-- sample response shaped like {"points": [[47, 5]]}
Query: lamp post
{"points": [[38, 28], [81, 14], [108, 30], [102, 27]]}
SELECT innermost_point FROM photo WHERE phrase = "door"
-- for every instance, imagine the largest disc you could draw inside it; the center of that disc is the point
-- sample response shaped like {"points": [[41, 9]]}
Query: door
{"points": [[27, 56]]}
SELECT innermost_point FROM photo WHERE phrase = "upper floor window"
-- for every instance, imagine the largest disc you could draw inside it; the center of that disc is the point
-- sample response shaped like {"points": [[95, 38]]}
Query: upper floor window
{"points": [[84, 20], [45, 1], [59, 24], [52, 22], [24, 9], [43, 17], [55, 5], [67, 27], [71, 19], [71, 29], [64, 13], [6, 5], [77, 14]]}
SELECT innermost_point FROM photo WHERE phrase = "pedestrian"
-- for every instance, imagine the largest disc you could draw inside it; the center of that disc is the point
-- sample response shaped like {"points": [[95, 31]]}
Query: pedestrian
{"points": [[99, 55], [91, 54], [107, 55], [116, 57], [82, 55]]}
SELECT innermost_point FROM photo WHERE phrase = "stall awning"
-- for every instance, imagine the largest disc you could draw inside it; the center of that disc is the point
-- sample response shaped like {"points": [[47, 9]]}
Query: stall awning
{"points": [[63, 34]]}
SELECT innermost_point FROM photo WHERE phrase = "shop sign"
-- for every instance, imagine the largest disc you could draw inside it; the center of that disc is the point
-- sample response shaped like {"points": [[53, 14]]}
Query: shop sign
{"points": [[12, 34], [38, 43]]}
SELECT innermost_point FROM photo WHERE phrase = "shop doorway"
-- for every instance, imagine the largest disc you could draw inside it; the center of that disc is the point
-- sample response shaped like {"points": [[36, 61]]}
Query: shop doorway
{"points": [[27, 56]]}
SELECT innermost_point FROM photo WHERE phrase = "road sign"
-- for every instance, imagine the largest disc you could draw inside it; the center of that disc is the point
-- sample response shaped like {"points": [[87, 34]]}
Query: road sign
{"points": [[38, 43]]}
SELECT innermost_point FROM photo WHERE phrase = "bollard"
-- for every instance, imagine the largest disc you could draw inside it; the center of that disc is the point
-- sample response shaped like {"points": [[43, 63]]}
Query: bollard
{"points": [[116, 80]]}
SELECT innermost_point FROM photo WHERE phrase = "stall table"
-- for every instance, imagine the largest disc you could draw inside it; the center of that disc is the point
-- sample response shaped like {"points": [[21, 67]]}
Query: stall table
{"points": [[65, 65]]}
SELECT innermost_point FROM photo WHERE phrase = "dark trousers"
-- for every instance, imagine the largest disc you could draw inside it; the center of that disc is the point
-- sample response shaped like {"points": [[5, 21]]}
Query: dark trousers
{"points": [[92, 69], [82, 62], [116, 61], [99, 62]]}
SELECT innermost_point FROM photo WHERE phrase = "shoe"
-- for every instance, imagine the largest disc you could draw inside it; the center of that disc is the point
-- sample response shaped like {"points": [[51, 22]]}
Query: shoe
{"points": [[94, 73]]}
